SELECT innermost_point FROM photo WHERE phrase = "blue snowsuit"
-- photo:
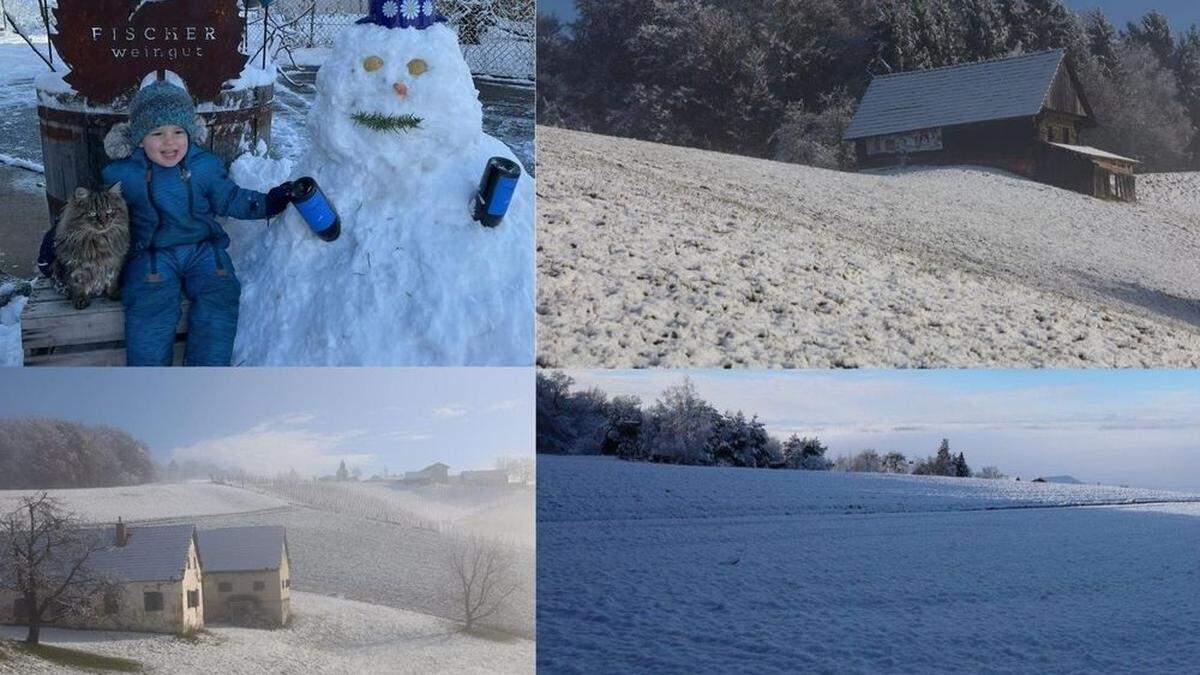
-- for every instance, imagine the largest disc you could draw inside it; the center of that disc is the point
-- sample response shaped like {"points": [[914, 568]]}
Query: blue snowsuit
{"points": [[176, 244]]}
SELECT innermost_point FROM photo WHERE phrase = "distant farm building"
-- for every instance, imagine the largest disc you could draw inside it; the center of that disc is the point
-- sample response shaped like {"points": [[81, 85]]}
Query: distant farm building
{"points": [[1022, 114], [490, 477], [247, 575], [434, 473], [157, 571]]}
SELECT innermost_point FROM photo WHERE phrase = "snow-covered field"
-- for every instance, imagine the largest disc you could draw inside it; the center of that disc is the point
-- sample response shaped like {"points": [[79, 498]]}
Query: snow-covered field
{"points": [[327, 635], [151, 502], [652, 255], [681, 569]]}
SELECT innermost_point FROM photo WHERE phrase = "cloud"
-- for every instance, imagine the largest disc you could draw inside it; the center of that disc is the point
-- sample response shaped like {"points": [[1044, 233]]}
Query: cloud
{"points": [[507, 404], [265, 451], [449, 411]]}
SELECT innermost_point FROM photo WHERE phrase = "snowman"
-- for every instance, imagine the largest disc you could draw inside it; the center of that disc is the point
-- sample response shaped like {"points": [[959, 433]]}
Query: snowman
{"points": [[398, 149]]}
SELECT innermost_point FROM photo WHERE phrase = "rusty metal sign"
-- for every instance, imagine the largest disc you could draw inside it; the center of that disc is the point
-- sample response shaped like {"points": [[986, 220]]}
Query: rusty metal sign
{"points": [[111, 45]]}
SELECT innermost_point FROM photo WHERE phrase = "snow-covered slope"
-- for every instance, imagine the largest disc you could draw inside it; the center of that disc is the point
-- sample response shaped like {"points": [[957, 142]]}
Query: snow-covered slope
{"points": [[327, 635], [150, 502], [676, 569], [656, 255], [604, 488]]}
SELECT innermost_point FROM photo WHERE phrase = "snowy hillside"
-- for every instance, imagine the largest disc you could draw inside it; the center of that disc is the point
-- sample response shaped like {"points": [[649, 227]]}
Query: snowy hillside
{"points": [[150, 502], [583, 488], [327, 635], [651, 255], [748, 570]]}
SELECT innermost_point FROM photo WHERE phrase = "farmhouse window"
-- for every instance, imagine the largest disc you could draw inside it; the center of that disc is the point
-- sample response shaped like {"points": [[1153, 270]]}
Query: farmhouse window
{"points": [[193, 599], [260, 585], [225, 587], [153, 601]]}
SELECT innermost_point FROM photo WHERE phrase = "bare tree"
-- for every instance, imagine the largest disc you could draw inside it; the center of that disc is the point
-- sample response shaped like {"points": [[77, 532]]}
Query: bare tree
{"points": [[483, 577], [520, 469], [44, 558]]}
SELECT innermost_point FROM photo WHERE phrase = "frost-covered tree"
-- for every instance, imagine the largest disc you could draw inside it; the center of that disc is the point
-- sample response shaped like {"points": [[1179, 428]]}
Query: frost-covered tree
{"points": [[991, 473], [45, 562], [895, 462], [483, 578], [961, 469], [40, 453], [898, 36], [805, 453], [342, 474], [1102, 41], [814, 137], [985, 30], [681, 426], [1154, 32]]}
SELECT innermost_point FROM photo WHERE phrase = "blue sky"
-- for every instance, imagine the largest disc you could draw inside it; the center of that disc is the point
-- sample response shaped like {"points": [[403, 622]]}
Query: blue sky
{"points": [[1182, 13], [274, 419], [1114, 426]]}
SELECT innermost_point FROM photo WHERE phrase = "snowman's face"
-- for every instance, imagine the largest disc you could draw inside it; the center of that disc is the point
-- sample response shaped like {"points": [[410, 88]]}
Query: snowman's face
{"points": [[395, 93]]}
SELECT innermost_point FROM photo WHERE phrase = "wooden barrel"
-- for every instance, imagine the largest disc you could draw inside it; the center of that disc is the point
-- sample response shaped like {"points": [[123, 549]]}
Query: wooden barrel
{"points": [[73, 135]]}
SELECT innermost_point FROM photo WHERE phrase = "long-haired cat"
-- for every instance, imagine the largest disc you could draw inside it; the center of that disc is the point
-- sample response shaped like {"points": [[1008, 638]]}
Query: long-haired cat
{"points": [[90, 244]]}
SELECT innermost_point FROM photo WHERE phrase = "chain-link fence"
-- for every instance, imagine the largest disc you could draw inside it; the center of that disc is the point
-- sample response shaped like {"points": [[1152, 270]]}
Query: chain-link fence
{"points": [[497, 36]]}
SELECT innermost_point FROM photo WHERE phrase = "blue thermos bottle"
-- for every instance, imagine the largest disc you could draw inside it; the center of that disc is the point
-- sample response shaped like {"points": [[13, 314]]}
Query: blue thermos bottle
{"points": [[496, 188], [316, 208]]}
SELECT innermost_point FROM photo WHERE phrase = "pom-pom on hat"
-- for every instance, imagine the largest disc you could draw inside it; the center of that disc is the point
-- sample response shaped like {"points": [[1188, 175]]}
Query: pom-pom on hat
{"points": [[157, 104], [419, 14]]}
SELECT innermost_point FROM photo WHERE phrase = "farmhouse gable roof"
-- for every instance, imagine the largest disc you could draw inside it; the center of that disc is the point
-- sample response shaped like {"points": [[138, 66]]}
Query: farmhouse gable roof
{"points": [[960, 94], [242, 549]]}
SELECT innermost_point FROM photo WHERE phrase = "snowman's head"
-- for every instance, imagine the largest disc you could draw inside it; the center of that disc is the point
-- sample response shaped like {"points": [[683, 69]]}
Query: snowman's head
{"points": [[397, 95]]}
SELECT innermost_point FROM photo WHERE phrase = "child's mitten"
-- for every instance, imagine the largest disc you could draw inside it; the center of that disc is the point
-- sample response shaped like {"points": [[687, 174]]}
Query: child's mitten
{"points": [[278, 198]]}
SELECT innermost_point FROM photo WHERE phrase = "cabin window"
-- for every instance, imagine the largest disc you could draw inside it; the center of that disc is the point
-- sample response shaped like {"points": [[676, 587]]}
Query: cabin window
{"points": [[152, 601], [260, 585], [225, 587], [111, 603], [193, 599]]}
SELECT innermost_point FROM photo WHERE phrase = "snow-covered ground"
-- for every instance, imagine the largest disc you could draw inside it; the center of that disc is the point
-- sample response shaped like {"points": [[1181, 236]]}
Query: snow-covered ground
{"points": [[327, 635], [151, 502], [652, 255], [681, 569]]}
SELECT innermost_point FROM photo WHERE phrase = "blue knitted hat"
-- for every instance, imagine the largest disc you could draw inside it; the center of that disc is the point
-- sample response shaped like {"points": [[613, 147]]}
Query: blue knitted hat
{"points": [[419, 14], [158, 104]]}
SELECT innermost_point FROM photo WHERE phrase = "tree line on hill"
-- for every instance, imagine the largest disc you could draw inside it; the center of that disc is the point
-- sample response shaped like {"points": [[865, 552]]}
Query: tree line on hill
{"points": [[42, 453], [682, 428], [780, 79]]}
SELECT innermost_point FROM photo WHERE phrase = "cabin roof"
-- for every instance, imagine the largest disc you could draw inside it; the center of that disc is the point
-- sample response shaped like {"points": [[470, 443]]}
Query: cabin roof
{"points": [[242, 549], [1094, 152], [960, 94]]}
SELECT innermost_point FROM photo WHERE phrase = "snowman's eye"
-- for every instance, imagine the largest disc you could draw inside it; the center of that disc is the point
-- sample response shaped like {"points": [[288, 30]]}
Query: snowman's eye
{"points": [[417, 66], [372, 63]]}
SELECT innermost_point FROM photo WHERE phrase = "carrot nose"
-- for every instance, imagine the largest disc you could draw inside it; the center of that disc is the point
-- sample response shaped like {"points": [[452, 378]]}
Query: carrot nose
{"points": [[400, 89]]}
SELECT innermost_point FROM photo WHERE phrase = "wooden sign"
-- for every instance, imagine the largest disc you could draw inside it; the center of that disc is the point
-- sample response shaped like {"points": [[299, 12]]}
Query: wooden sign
{"points": [[111, 45]]}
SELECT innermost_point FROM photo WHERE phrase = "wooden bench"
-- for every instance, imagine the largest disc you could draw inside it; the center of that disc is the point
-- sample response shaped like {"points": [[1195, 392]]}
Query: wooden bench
{"points": [[54, 333]]}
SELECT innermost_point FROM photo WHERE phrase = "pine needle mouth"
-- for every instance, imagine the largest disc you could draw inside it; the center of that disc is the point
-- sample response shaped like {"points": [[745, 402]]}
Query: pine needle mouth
{"points": [[392, 123]]}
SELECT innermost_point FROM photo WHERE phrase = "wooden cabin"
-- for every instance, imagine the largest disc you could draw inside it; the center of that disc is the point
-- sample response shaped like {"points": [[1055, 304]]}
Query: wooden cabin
{"points": [[1023, 114]]}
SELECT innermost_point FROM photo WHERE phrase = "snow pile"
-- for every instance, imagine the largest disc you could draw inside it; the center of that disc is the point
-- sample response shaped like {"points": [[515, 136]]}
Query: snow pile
{"points": [[327, 635], [652, 255], [12, 303], [150, 502], [412, 280], [741, 589]]}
